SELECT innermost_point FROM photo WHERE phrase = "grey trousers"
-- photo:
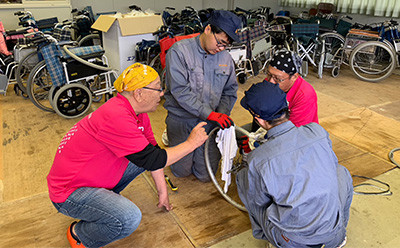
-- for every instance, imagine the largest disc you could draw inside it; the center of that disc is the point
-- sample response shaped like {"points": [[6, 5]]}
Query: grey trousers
{"points": [[178, 131]]}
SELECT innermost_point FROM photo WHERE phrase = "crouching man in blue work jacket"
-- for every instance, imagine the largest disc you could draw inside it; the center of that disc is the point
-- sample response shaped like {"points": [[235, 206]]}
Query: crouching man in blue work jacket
{"points": [[296, 193]]}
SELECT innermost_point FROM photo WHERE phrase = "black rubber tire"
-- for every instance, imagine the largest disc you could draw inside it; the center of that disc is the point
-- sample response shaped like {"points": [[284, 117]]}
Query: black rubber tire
{"points": [[156, 64], [335, 71], [72, 100], [52, 92], [38, 87], [163, 79], [25, 66], [242, 78]]}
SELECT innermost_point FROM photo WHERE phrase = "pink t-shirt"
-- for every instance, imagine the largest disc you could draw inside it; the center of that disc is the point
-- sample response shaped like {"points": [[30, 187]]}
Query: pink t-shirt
{"points": [[302, 103], [92, 153]]}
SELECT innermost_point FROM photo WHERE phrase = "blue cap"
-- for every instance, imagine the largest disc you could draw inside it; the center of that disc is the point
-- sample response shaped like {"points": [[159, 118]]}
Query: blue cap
{"points": [[265, 100], [227, 21]]}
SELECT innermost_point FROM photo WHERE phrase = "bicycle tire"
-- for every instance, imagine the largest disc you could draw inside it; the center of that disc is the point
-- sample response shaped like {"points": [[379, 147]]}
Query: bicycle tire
{"points": [[38, 87], [372, 61], [211, 173], [72, 100], [24, 67]]}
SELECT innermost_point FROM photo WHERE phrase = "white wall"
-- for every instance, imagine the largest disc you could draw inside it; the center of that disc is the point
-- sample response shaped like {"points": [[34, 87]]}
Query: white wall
{"points": [[249, 4], [11, 22], [122, 5], [159, 5], [365, 19]]}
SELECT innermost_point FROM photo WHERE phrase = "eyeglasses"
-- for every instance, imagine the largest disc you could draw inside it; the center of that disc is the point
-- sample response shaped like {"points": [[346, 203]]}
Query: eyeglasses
{"points": [[159, 90], [278, 80], [219, 44]]}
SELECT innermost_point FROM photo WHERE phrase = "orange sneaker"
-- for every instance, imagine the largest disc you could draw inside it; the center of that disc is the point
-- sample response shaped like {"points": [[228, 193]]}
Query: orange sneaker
{"points": [[73, 239]]}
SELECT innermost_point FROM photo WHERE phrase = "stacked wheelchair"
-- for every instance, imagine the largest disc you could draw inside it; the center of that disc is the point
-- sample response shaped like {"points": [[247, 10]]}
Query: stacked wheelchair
{"points": [[69, 79]]}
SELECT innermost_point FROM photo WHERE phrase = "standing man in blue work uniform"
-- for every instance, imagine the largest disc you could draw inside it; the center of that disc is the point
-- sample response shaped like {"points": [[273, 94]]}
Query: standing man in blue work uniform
{"points": [[296, 193], [201, 86]]}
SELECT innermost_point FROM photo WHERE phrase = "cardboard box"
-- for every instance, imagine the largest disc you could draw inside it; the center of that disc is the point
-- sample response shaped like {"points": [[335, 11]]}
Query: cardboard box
{"points": [[120, 36]]}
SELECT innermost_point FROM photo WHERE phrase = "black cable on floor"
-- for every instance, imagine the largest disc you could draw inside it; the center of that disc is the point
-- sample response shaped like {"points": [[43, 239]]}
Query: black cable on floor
{"points": [[391, 156], [385, 190], [382, 190]]}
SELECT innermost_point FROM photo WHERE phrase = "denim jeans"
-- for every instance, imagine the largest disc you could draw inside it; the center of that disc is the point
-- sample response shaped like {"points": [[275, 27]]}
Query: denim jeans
{"points": [[105, 215]]}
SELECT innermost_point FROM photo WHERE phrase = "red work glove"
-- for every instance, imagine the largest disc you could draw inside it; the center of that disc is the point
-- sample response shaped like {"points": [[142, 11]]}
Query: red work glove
{"points": [[243, 144], [222, 120]]}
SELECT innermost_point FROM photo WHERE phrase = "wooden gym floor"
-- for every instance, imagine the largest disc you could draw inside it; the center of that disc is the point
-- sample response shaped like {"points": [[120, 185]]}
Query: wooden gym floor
{"points": [[363, 120]]}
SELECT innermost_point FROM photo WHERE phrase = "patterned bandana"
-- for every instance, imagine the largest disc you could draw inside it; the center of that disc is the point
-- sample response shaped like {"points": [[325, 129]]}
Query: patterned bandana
{"points": [[134, 77], [289, 62]]}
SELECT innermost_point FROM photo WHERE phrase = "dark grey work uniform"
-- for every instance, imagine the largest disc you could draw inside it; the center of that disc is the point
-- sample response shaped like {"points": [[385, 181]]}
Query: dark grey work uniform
{"points": [[197, 84]]}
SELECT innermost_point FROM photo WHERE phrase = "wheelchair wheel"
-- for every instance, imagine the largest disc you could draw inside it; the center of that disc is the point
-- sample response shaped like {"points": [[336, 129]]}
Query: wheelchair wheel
{"points": [[335, 71], [231, 196], [372, 61], [242, 78], [72, 100], [38, 86], [156, 64], [163, 79], [304, 68], [108, 96], [24, 67], [52, 92], [333, 48], [96, 85]]}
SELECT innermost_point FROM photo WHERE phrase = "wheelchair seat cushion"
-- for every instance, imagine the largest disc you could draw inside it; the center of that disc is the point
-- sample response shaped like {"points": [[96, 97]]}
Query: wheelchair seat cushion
{"points": [[85, 52]]}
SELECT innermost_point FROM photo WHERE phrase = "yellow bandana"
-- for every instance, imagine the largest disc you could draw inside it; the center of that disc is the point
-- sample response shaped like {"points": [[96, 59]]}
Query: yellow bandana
{"points": [[134, 77]]}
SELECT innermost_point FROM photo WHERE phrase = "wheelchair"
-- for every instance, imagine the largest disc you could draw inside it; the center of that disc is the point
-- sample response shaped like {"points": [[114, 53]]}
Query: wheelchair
{"points": [[68, 80], [305, 43], [243, 65], [11, 53]]}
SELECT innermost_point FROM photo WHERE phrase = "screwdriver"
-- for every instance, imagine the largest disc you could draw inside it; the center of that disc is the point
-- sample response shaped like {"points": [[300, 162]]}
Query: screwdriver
{"points": [[170, 183]]}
